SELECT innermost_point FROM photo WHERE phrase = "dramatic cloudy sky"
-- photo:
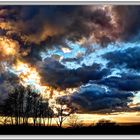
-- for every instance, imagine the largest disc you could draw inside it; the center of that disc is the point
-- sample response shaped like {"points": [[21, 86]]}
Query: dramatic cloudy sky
{"points": [[90, 54]]}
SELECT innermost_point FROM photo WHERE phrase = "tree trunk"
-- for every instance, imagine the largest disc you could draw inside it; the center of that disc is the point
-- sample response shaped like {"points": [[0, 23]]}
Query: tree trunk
{"points": [[60, 124]]}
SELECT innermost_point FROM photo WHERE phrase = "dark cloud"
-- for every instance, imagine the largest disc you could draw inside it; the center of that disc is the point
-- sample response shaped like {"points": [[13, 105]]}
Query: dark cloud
{"points": [[53, 25], [72, 20], [95, 98], [128, 19], [125, 82], [38, 28], [57, 75], [128, 58]]}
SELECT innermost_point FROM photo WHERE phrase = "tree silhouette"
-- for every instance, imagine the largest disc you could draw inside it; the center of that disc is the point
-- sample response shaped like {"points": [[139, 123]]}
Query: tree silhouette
{"points": [[74, 121], [104, 122], [13, 105], [63, 110], [24, 103]]}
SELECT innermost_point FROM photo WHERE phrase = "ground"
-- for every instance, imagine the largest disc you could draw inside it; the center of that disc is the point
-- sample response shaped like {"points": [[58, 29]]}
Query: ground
{"points": [[102, 130]]}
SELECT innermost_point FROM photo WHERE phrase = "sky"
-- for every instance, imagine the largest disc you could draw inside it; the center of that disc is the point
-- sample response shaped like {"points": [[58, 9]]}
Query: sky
{"points": [[86, 55]]}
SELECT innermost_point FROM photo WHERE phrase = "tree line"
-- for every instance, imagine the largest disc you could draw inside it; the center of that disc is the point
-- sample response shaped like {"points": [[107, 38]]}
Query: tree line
{"points": [[24, 104]]}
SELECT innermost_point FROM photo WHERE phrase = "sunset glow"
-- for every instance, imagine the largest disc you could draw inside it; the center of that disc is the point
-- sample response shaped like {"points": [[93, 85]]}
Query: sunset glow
{"points": [[8, 47]]}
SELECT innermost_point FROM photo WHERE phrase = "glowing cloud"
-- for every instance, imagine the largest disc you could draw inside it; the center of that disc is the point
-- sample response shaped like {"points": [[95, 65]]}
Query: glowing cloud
{"points": [[28, 75], [8, 48]]}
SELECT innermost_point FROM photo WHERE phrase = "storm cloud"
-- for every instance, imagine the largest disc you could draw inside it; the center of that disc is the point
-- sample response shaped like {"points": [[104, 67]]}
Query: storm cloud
{"points": [[128, 58], [96, 98], [129, 31], [29, 31], [38, 28], [125, 82], [57, 75]]}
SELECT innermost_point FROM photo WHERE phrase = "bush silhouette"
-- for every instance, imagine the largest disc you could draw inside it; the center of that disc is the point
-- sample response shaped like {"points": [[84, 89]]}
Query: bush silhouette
{"points": [[104, 122]]}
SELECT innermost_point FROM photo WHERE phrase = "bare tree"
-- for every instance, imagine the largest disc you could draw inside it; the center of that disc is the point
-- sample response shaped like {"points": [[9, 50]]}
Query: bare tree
{"points": [[14, 104], [23, 103], [63, 110], [74, 121], [50, 115], [45, 112], [27, 107]]}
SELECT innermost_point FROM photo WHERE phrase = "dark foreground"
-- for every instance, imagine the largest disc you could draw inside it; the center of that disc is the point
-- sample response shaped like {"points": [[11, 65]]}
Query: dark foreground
{"points": [[103, 130]]}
